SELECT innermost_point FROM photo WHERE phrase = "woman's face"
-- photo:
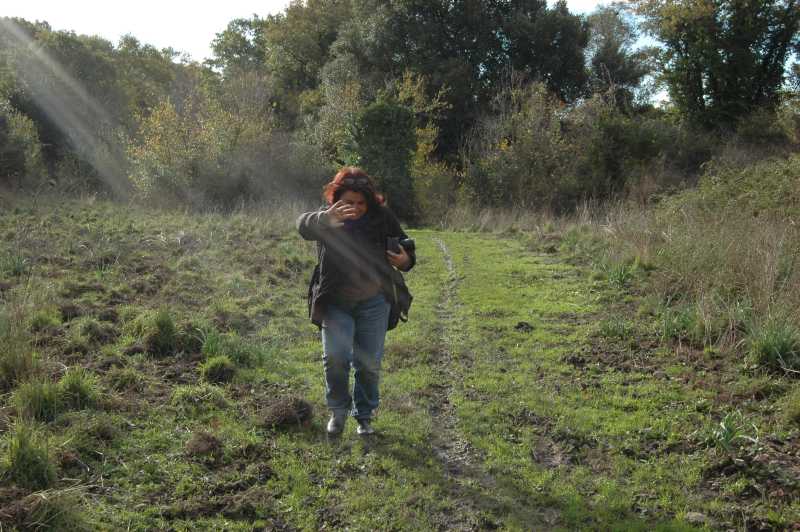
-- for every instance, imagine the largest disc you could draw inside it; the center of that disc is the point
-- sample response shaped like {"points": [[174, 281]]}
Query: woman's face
{"points": [[357, 201]]}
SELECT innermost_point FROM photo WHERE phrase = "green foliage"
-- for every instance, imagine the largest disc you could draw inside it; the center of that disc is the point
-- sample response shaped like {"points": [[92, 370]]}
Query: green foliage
{"points": [[27, 457], [218, 369], [385, 141], [37, 399], [21, 160], [733, 432], [45, 320], [723, 59], [77, 389], [775, 345]]}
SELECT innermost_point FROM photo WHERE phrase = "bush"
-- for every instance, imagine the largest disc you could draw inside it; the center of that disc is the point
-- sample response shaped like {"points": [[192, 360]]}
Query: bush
{"points": [[775, 345], [218, 369], [21, 159], [27, 459], [78, 389], [38, 400], [198, 399]]}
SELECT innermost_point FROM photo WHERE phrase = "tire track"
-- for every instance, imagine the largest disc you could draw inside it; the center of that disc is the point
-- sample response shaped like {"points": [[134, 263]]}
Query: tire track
{"points": [[482, 501]]}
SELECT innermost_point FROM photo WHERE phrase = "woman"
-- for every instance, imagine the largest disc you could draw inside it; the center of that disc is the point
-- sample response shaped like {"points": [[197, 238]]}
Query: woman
{"points": [[348, 295]]}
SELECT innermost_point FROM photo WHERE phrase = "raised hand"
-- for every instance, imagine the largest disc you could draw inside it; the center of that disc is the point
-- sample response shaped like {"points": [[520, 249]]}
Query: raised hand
{"points": [[339, 212]]}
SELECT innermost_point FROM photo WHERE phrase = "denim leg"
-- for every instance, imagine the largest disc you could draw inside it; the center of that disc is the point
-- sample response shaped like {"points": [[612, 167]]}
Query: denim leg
{"points": [[337, 355], [371, 320]]}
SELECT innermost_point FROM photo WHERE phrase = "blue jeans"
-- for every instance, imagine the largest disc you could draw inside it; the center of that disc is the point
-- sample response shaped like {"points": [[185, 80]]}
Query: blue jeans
{"points": [[354, 336]]}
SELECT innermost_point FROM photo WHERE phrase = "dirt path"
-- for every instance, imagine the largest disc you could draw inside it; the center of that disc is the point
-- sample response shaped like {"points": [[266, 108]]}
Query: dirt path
{"points": [[483, 500]]}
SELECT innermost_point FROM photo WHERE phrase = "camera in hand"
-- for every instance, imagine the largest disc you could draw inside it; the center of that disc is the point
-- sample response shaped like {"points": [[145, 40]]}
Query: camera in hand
{"points": [[393, 244]]}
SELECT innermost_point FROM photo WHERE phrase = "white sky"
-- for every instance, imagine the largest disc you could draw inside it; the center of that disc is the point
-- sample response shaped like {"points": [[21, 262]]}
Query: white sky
{"points": [[182, 25]]}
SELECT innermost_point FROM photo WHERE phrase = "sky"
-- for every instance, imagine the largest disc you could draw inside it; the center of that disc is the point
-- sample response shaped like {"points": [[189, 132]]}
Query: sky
{"points": [[180, 24]]}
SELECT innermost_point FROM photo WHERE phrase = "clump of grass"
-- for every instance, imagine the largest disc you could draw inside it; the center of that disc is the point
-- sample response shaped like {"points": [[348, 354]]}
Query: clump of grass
{"points": [[615, 328], [89, 432], [218, 369], [78, 389], [159, 333], [791, 406], [14, 264], [231, 345], [125, 379], [198, 399], [37, 399], [775, 345], [53, 509], [27, 458], [17, 362], [45, 320]]}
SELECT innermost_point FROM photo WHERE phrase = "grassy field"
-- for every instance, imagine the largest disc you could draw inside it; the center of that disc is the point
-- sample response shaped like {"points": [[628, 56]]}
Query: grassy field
{"points": [[159, 372]]}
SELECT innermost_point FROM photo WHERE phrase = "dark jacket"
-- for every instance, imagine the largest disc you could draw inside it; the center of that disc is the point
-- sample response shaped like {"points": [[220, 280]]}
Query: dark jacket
{"points": [[339, 252]]}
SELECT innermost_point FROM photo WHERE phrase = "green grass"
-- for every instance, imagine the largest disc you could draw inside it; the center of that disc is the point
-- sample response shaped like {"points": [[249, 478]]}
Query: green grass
{"points": [[524, 393], [27, 458]]}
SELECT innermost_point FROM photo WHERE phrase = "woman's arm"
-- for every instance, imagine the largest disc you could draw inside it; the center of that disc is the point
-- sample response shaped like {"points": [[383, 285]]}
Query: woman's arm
{"points": [[314, 225]]}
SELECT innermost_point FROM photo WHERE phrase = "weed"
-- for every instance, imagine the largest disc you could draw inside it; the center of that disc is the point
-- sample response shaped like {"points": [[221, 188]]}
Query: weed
{"points": [[198, 399], [732, 430], [37, 399], [78, 389], [218, 369], [52, 509], [775, 345], [27, 457]]}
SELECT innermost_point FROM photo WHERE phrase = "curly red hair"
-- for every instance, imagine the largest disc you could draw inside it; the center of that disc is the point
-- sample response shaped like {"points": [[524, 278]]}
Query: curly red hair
{"points": [[355, 179]]}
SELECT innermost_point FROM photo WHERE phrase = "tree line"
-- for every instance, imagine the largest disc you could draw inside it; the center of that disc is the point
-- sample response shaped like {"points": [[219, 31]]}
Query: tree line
{"points": [[494, 102]]}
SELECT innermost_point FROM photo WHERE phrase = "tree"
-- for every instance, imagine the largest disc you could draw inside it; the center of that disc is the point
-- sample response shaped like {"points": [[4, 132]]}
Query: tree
{"points": [[385, 140], [723, 58], [614, 64]]}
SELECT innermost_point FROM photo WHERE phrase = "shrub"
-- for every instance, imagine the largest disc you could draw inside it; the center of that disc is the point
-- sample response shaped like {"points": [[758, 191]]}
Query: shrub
{"points": [[27, 459], [198, 399], [218, 369], [78, 389], [775, 345], [37, 399]]}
